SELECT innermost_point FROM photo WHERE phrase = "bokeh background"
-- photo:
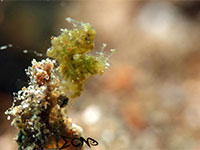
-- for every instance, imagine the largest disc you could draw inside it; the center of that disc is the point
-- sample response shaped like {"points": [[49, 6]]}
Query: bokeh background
{"points": [[149, 99]]}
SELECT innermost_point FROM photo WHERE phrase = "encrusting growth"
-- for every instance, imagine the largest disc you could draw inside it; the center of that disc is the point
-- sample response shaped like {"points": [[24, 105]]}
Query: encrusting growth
{"points": [[41, 116]]}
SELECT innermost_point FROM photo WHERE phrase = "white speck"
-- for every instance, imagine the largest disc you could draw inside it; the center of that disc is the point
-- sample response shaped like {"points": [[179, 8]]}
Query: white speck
{"points": [[8, 118], [3, 47], [70, 120], [76, 128], [14, 111], [10, 45], [25, 51], [69, 19], [107, 64], [104, 45], [25, 105], [91, 115], [112, 50], [48, 49], [38, 54]]}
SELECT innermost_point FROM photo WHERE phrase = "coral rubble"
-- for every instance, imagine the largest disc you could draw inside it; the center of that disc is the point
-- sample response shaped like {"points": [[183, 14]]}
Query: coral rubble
{"points": [[40, 110]]}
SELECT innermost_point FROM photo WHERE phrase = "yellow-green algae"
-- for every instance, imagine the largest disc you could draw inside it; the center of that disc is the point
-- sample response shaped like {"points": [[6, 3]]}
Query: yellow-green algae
{"points": [[41, 116], [71, 49]]}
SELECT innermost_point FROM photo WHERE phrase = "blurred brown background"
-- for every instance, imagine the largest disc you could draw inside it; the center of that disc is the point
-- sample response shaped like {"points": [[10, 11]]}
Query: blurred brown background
{"points": [[149, 99]]}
